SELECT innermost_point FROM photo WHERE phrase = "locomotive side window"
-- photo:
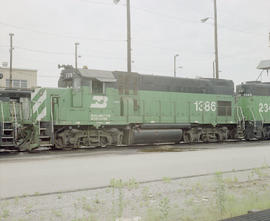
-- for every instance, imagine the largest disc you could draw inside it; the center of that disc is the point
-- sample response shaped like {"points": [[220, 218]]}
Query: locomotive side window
{"points": [[97, 87], [224, 108]]}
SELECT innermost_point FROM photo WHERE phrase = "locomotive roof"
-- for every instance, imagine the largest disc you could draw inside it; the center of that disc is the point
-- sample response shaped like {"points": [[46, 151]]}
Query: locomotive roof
{"points": [[14, 93], [104, 76], [119, 79], [172, 84], [256, 88], [264, 65]]}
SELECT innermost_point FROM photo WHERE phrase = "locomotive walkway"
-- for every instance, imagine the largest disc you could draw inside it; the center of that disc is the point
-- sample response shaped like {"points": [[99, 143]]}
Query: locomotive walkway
{"points": [[45, 175]]}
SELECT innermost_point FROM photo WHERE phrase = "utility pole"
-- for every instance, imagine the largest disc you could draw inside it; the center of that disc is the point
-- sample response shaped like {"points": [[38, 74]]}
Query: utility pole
{"points": [[269, 39], [128, 35], [128, 38], [214, 72], [216, 39], [174, 64], [10, 56], [76, 55]]}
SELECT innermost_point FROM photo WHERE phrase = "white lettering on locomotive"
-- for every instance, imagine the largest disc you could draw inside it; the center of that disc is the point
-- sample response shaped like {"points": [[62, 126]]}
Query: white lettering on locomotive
{"points": [[264, 107], [205, 106], [100, 117]]}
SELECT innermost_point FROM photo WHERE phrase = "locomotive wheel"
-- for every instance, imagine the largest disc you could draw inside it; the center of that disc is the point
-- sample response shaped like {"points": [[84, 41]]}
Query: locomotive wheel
{"points": [[103, 141], [204, 138], [187, 137], [59, 144]]}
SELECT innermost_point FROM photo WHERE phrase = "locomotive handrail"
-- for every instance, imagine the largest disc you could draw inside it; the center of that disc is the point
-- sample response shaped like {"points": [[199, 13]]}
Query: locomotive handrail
{"points": [[237, 113], [243, 117], [253, 117], [52, 119], [15, 119], [3, 120], [261, 117], [37, 119]]}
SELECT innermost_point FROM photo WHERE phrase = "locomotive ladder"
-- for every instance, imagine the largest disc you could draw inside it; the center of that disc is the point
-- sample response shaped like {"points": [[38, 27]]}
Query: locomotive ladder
{"points": [[241, 122], [7, 132], [45, 140]]}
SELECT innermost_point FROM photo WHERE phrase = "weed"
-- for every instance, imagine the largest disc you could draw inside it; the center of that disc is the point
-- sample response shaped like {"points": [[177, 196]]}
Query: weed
{"points": [[228, 180], [235, 179], [118, 185], [166, 179], [259, 172], [132, 184], [152, 215], [16, 200], [87, 207], [25, 195], [5, 213], [220, 194], [189, 202], [28, 209], [57, 213], [164, 208]]}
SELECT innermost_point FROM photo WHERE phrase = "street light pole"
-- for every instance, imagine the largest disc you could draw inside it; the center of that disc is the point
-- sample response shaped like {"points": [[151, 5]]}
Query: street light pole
{"points": [[10, 56], [174, 64], [76, 55], [216, 40]]}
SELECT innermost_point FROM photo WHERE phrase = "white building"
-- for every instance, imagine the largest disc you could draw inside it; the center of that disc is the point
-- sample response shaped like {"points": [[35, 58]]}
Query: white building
{"points": [[21, 78]]}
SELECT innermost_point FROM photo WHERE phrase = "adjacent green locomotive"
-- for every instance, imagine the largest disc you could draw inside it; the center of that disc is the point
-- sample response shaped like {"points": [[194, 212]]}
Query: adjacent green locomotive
{"points": [[254, 98], [99, 108], [15, 110]]}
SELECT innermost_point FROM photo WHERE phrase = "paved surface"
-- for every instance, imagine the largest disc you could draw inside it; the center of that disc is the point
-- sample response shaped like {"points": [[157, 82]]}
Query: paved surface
{"points": [[256, 216], [63, 173]]}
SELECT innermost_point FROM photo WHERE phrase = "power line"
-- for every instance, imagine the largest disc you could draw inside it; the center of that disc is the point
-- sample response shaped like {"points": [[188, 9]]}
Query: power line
{"points": [[44, 52], [59, 35], [64, 53]]}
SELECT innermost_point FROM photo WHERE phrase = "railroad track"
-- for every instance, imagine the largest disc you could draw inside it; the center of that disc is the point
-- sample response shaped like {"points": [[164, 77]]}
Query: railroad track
{"points": [[182, 147]]}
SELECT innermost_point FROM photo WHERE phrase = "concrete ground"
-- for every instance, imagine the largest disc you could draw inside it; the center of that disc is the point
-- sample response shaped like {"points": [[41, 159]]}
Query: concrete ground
{"points": [[70, 172]]}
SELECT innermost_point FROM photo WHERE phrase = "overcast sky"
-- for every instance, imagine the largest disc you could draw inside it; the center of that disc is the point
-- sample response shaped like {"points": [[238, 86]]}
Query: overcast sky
{"points": [[45, 33]]}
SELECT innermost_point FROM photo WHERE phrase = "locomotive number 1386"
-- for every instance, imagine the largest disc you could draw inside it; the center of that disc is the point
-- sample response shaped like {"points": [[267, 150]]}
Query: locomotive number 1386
{"points": [[205, 106]]}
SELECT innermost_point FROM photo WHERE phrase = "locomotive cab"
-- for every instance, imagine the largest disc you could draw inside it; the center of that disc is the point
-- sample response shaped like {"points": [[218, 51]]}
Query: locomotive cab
{"points": [[96, 80]]}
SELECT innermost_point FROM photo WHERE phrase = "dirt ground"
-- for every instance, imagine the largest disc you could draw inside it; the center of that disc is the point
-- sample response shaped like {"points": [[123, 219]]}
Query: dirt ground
{"points": [[211, 197]]}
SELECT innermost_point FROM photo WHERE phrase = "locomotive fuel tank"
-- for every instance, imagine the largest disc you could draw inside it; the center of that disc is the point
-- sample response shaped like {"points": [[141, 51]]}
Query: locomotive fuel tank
{"points": [[150, 136]]}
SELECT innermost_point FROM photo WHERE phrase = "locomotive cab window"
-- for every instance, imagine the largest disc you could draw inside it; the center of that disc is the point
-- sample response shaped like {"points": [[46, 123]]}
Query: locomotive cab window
{"points": [[98, 87], [224, 108]]}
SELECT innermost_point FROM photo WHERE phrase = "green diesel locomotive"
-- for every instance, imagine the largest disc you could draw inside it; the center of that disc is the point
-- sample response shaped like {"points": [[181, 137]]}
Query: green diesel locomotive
{"points": [[100, 108]]}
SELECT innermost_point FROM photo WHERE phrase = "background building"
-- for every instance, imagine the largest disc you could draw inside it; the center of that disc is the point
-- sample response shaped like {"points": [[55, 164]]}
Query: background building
{"points": [[21, 78]]}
